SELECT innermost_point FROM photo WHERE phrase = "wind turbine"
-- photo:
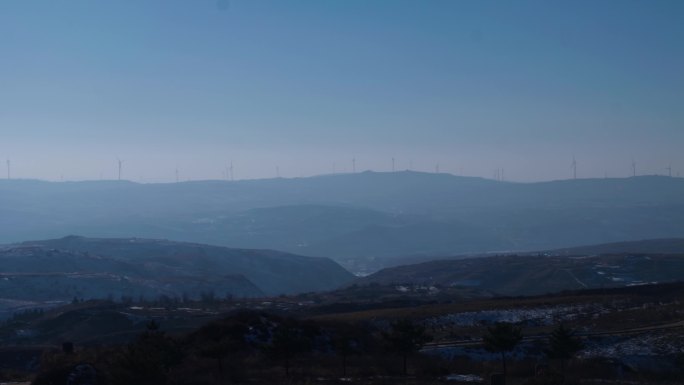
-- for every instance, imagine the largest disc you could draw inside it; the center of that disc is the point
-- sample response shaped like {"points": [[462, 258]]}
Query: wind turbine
{"points": [[354, 165], [8, 169], [120, 162], [669, 170], [633, 168], [498, 174], [574, 167]]}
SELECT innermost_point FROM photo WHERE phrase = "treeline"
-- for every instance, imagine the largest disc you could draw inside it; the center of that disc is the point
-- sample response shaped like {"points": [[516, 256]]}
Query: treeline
{"points": [[208, 296], [248, 345], [262, 348], [24, 315]]}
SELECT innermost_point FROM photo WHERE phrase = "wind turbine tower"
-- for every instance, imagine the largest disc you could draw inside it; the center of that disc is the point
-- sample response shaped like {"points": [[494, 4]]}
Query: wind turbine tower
{"points": [[574, 168], [177, 179], [634, 167], [669, 170], [120, 166], [393, 164], [354, 165], [8, 169]]}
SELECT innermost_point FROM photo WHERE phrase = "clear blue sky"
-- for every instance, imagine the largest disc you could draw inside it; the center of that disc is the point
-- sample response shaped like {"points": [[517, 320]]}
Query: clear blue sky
{"points": [[303, 85]]}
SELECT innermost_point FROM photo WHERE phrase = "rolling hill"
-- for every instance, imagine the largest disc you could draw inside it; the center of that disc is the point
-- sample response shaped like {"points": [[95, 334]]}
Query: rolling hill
{"points": [[61, 269], [516, 275], [646, 246]]}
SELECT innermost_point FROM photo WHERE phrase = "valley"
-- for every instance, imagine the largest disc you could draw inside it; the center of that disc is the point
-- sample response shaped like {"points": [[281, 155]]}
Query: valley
{"points": [[278, 280]]}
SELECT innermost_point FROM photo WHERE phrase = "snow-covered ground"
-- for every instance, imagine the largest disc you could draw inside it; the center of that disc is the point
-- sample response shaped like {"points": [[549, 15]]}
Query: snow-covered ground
{"points": [[529, 316], [647, 344]]}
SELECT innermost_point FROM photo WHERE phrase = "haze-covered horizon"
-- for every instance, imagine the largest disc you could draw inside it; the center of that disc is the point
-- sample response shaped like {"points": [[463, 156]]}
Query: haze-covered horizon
{"points": [[364, 215], [302, 88], [225, 178]]}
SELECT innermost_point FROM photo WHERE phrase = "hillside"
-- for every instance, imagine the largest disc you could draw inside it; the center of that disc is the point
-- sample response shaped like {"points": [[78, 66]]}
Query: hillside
{"points": [[646, 246], [61, 269], [354, 218], [537, 274]]}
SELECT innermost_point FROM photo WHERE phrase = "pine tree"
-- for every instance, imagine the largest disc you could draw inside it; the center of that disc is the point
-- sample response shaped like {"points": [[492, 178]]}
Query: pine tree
{"points": [[563, 345], [406, 337], [290, 338], [501, 338]]}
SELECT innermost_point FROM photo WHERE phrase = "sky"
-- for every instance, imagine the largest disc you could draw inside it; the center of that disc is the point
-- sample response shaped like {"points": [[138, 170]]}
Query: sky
{"points": [[298, 88]]}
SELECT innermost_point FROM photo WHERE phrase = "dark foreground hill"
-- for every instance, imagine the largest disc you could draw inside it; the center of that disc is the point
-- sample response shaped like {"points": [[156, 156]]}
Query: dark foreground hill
{"points": [[538, 274], [354, 218], [629, 335], [79, 267]]}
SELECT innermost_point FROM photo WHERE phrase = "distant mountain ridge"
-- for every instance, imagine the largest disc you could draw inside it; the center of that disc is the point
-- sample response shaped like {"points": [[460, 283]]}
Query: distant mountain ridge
{"points": [[407, 191], [354, 218]]}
